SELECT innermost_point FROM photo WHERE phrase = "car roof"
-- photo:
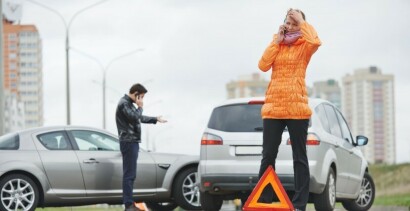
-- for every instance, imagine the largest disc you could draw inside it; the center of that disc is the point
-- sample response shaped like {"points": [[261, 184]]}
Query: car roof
{"points": [[62, 127], [313, 102]]}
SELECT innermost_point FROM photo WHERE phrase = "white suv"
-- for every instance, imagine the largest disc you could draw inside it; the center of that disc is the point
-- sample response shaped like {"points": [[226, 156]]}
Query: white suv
{"points": [[231, 149]]}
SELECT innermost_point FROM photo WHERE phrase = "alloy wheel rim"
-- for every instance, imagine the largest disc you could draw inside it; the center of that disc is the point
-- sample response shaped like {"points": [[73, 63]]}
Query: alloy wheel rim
{"points": [[365, 194], [190, 189], [17, 194], [332, 190]]}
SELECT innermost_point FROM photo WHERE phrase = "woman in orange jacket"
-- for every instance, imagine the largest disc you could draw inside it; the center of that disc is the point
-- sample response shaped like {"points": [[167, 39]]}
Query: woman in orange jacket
{"points": [[286, 101]]}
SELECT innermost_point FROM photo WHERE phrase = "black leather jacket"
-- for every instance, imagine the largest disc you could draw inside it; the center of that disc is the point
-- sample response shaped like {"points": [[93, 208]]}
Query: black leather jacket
{"points": [[129, 119]]}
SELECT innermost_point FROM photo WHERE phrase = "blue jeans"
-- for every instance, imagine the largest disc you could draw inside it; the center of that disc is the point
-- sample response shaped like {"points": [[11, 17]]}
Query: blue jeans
{"points": [[129, 151]]}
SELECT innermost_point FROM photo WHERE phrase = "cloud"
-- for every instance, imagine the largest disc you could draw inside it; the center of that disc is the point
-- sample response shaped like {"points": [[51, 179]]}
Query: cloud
{"points": [[193, 48]]}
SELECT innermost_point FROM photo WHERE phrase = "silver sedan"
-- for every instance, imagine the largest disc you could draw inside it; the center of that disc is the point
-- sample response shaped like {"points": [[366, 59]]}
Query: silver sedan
{"points": [[66, 166]]}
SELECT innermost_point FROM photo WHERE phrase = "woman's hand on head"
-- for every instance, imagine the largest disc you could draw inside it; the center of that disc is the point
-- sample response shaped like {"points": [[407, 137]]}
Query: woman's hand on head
{"points": [[296, 15]]}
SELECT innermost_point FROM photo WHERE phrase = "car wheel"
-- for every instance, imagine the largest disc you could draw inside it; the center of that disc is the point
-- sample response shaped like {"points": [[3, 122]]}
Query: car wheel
{"points": [[327, 199], [186, 189], [210, 202], [366, 195], [168, 206], [18, 192]]}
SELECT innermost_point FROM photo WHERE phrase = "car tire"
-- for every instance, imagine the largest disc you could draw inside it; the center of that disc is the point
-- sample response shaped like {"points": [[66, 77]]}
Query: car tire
{"points": [[327, 199], [18, 191], [186, 189], [366, 195], [210, 202], [168, 206]]}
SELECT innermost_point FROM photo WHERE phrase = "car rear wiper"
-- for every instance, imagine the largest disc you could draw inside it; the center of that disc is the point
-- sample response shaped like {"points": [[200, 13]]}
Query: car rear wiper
{"points": [[258, 128], [261, 129]]}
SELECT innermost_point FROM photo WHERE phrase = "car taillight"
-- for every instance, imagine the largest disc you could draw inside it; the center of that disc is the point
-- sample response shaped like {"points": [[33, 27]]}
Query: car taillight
{"points": [[207, 184], [312, 139], [210, 139], [252, 102]]}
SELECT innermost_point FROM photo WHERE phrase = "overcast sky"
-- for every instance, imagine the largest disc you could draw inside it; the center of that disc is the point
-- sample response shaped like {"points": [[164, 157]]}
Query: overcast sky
{"points": [[192, 48]]}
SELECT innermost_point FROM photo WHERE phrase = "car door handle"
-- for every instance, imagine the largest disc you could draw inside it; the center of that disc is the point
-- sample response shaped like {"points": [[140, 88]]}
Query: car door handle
{"points": [[164, 165], [90, 161], [337, 146]]}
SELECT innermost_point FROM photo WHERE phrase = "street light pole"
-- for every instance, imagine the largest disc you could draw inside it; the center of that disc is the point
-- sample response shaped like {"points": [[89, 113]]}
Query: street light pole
{"points": [[104, 70], [67, 45]]}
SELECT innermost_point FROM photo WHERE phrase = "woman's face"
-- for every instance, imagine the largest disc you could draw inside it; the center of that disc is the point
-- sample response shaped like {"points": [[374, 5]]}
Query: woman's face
{"points": [[291, 25]]}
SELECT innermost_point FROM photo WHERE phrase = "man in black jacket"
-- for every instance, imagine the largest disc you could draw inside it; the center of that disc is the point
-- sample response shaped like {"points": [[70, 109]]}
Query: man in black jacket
{"points": [[129, 119]]}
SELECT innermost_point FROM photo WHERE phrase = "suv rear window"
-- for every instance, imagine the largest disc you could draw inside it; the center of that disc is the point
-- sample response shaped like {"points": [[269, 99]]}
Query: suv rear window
{"points": [[10, 142], [237, 118]]}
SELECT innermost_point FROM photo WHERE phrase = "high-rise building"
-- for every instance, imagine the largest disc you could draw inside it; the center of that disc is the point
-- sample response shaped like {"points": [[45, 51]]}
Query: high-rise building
{"points": [[23, 70], [1, 74], [247, 86], [368, 105], [328, 90]]}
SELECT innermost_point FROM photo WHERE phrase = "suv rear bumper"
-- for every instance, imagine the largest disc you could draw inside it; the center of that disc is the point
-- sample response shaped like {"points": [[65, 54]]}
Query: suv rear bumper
{"points": [[222, 184]]}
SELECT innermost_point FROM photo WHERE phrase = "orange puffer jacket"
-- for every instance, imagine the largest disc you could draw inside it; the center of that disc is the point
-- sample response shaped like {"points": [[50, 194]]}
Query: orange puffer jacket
{"points": [[286, 97]]}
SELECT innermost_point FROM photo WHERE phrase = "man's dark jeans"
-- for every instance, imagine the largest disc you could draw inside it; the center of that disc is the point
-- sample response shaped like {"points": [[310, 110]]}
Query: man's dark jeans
{"points": [[272, 137], [129, 151]]}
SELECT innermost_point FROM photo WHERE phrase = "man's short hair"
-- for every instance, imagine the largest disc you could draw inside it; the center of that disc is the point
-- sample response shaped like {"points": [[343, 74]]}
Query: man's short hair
{"points": [[138, 88]]}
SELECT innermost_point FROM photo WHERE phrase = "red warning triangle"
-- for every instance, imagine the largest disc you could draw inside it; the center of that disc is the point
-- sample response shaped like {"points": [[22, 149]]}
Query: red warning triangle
{"points": [[269, 177]]}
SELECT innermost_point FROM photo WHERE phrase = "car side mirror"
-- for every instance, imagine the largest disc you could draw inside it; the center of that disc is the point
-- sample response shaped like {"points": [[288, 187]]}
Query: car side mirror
{"points": [[361, 140]]}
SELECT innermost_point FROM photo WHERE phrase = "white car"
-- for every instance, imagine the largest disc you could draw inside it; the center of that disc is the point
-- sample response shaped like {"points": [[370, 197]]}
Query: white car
{"points": [[231, 149]]}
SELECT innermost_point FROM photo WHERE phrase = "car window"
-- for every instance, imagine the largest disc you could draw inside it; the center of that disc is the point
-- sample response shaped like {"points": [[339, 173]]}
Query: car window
{"points": [[54, 141], [94, 141], [333, 121], [320, 110], [237, 118], [9, 141], [345, 129]]}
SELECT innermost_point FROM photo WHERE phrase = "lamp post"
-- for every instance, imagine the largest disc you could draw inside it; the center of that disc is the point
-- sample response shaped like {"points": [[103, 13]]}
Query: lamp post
{"points": [[154, 139], [104, 70], [67, 45], [147, 136]]}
